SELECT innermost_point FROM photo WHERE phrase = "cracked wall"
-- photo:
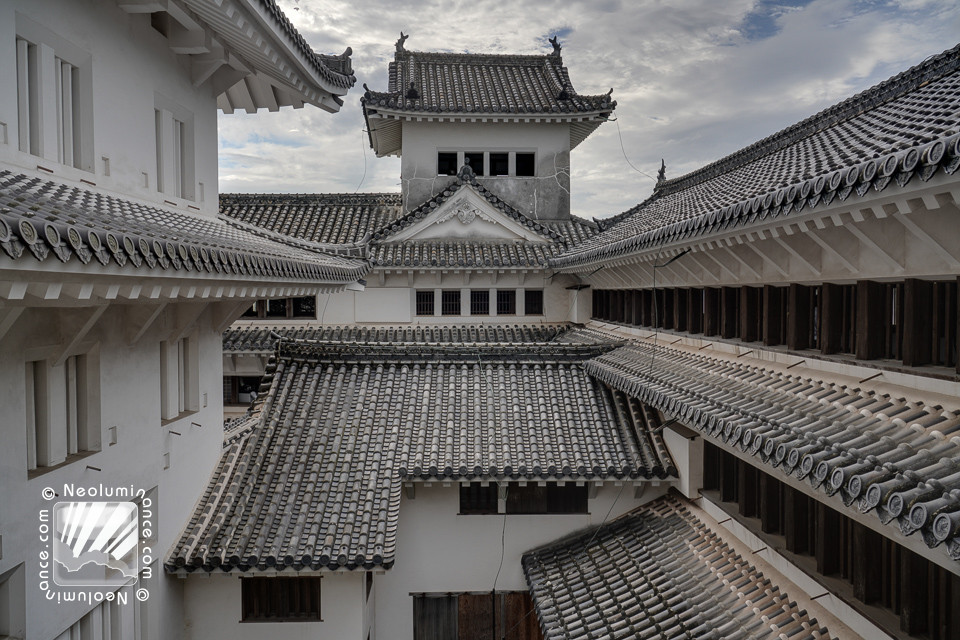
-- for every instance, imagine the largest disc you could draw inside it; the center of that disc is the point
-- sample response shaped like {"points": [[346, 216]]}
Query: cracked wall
{"points": [[545, 196]]}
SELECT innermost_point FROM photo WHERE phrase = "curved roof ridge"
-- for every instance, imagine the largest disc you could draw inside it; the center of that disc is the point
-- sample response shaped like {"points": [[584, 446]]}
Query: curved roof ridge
{"points": [[931, 68]]}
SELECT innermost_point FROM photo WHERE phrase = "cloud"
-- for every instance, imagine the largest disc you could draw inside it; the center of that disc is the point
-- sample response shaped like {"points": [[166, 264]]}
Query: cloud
{"points": [[694, 80]]}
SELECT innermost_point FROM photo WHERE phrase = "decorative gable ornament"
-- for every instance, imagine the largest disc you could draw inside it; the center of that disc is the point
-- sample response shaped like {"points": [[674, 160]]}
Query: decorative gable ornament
{"points": [[468, 215]]}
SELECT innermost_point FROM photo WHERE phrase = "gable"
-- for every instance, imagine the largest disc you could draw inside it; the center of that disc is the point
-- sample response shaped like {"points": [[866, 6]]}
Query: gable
{"points": [[468, 215]]}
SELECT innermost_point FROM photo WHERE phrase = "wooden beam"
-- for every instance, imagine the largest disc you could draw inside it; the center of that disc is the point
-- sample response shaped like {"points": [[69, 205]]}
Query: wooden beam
{"points": [[829, 248], [930, 241], [870, 320], [81, 333], [145, 325], [8, 318]]}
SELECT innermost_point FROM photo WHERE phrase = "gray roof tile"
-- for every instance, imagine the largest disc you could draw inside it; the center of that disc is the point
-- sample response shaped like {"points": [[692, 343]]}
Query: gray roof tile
{"points": [[884, 454], [483, 83], [903, 128], [657, 572], [46, 218], [314, 482]]}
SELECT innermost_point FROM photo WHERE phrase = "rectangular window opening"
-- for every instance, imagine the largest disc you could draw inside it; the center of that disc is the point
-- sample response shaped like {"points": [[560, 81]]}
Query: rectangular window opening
{"points": [[533, 302], [506, 302], [499, 164], [425, 303], [280, 599], [450, 302], [446, 163], [480, 303], [475, 160], [526, 165], [475, 499]]}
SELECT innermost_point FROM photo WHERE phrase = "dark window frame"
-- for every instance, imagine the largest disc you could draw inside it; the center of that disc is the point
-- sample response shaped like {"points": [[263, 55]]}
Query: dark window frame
{"points": [[472, 156], [525, 164], [450, 302], [425, 302], [506, 302], [477, 500], [271, 599], [446, 163], [479, 302], [537, 305]]}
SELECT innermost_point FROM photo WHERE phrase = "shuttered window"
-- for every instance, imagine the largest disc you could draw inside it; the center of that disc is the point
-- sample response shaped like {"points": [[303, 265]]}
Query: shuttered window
{"points": [[277, 599], [503, 615]]}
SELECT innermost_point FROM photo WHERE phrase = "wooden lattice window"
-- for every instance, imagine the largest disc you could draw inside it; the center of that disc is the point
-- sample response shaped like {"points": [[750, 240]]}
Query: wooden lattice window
{"points": [[281, 599]]}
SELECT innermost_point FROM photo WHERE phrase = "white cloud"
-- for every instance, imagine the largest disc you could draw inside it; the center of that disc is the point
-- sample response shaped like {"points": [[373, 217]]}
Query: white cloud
{"points": [[692, 82]]}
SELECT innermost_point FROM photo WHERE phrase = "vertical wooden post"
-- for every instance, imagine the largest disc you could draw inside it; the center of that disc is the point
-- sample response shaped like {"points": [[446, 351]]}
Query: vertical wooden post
{"points": [[695, 310], [680, 299], [666, 309], [772, 315], [711, 319], [770, 504], [917, 322], [749, 313], [870, 320], [831, 323], [728, 476], [913, 593], [728, 312], [828, 539], [796, 520], [798, 317], [747, 481], [867, 551]]}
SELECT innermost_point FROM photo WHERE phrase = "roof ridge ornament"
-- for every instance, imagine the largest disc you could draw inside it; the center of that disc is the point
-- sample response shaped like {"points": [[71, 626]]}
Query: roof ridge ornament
{"points": [[555, 41], [466, 173], [662, 174], [412, 93], [400, 41]]}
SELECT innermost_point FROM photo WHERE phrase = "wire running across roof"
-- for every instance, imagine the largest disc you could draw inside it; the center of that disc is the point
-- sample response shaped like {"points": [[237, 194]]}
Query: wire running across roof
{"points": [[44, 219], [657, 572], [878, 452], [902, 128], [314, 483]]}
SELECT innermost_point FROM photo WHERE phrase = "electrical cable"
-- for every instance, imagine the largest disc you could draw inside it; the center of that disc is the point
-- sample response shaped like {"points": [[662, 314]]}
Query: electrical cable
{"points": [[363, 151], [624, 151]]}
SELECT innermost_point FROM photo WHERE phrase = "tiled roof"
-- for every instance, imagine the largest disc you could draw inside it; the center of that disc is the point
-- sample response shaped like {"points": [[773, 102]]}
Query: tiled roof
{"points": [[315, 483], [355, 219], [40, 219], [336, 70], [903, 128], [325, 218], [482, 83], [657, 572], [258, 338], [880, 452]]}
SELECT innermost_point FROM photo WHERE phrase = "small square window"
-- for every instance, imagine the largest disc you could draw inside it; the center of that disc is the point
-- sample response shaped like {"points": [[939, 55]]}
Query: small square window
{"points": [[506, 302], [446, 163], [475, 160], [480, 303], [525, 164], [425, 303], [499, 164], [533, 302], [450, 303]]}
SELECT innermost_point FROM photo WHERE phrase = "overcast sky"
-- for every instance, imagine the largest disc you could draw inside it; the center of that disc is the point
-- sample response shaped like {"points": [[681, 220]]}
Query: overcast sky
{"points": [[694, 80]]}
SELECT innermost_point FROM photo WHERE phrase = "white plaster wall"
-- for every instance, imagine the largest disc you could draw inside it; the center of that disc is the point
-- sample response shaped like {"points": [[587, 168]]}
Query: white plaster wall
{"points": [[213, 611], [440, 551], [132, 68], [546, 196], [394, 301], [130, 390]]}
